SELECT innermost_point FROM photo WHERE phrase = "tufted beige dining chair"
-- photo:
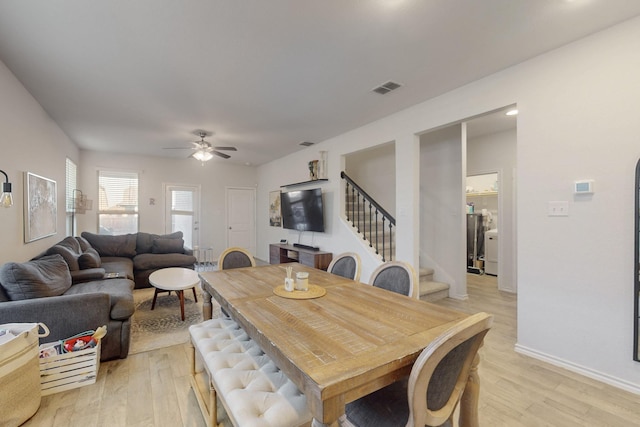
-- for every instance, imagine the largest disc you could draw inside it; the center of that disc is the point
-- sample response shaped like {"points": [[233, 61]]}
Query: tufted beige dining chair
{"points": [[347, 265], [235, 257], [396, 276], [435, 386]]}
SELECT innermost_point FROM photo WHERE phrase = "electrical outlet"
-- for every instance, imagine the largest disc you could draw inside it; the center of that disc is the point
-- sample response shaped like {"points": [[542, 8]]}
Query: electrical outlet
{"points": [[558, 208]]}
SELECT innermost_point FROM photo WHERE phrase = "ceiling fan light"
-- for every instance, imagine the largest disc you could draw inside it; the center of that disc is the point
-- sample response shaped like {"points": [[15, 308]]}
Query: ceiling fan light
{"points": [[202, 155]]}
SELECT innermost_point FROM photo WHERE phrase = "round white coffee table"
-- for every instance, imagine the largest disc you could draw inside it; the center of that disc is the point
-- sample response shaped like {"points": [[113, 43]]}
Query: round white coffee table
{"points": [[175, 279]]}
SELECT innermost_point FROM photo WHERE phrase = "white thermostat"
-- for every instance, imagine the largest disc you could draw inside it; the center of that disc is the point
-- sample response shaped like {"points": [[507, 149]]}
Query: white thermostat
{"points": [[583, 187]]}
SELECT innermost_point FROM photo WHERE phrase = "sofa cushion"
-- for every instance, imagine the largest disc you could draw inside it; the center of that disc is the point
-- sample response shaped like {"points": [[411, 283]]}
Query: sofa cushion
{"points": [[87, 274], [71, 243], [44, 277], [84, 243], [118, 265], [89, 259], [167, 246], [3, 295], [69, 256], [144, 241], [123, 245], [149, 261], [120, 291]]}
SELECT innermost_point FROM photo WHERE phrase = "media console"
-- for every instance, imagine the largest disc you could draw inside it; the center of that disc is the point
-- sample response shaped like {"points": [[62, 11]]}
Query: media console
{"points": [[280, 253]]}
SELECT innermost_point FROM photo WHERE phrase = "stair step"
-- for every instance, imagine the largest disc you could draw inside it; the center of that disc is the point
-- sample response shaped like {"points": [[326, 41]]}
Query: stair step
{"points": [[433, 291], [426, 274]]}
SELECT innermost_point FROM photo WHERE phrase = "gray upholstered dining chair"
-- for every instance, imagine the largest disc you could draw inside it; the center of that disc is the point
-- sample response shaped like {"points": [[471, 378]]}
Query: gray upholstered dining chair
{"points": [[347, 265], [235, 257], [435, 386], [396, 276]]}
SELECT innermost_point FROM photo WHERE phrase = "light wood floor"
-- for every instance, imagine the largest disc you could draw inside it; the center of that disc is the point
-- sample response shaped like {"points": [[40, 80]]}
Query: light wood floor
{"points": [[152, 389]]}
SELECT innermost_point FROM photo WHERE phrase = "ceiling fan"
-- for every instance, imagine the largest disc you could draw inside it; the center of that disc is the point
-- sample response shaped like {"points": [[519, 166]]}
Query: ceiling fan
{"points": [[203, 150]]}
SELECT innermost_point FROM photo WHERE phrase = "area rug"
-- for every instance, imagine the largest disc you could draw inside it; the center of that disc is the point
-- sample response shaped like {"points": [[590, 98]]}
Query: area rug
{"points": [[163, 326]]}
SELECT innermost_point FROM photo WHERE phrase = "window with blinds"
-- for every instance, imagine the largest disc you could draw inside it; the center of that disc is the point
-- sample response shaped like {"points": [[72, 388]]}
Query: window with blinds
{"points": [[71, 180], [117, 202]]}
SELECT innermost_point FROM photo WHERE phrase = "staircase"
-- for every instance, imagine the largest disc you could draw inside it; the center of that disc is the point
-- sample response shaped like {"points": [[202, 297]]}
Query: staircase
{"points": [[429, 290], [369, 220], [373, 224]]}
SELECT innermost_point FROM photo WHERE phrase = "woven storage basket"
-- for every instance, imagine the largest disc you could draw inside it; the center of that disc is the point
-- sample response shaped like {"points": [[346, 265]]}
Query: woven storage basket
{"points": [[20, 374]]}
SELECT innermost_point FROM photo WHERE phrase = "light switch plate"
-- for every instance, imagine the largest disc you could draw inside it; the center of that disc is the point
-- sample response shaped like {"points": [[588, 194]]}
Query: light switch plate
{"points": [[560, 208]]}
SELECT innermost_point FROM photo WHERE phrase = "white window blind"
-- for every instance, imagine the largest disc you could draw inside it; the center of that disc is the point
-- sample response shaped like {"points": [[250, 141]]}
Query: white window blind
{"points": [[182, 200], [71, 183], [117, 202]]}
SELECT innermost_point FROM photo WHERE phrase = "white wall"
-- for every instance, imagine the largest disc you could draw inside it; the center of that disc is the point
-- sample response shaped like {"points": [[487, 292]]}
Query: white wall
{"points": [[441, 219], [497, 152], [375, 170], [578, 120], [30, 141], [153, 172]]}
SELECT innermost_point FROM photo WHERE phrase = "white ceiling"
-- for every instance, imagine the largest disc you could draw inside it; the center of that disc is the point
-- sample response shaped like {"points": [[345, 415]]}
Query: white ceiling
{"points": [[136, 76]]}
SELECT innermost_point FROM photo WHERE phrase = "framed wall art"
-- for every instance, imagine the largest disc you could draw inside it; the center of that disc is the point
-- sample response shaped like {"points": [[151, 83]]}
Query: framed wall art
{"points": [[40, 207], [275, 215]]}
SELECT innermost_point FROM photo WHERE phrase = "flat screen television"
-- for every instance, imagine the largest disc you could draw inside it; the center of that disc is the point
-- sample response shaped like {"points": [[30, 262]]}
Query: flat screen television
{"points": [[302, 210]]}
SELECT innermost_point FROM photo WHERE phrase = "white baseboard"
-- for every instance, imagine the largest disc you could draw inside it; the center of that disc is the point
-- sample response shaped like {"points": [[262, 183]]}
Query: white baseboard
{"points": [[587, 372]]}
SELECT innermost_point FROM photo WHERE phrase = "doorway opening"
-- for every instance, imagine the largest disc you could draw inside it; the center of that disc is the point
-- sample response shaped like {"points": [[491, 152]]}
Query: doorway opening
{"points": [[491, 145], [482, 223]]}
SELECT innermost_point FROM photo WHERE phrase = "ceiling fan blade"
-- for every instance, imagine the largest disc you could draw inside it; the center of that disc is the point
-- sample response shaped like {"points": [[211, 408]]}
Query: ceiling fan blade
{"points": [[224, 156], [226, 148]]}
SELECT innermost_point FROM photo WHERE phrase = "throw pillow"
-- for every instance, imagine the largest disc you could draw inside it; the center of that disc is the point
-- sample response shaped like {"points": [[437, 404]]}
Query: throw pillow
{"points": [[69, 256], [84, 243], [123, 245], [71, 243], [144, 241], [45, 277], [89, 259], [167, 246]]}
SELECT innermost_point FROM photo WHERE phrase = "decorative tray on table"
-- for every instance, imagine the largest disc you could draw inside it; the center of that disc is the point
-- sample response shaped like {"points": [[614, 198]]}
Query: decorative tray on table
{"points": [[314, 291]]}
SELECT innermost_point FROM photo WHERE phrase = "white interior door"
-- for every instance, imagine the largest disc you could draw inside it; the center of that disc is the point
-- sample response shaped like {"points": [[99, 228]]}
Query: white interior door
{"points": [[241, 218], [182, 212]]}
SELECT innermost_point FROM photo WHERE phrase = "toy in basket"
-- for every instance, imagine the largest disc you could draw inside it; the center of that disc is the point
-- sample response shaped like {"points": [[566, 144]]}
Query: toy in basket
{"points": [[70, 363]]}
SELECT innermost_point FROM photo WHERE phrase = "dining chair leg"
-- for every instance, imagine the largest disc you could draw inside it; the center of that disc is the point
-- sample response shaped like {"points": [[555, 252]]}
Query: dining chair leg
{"points": [[469, 401], [342, 422]]}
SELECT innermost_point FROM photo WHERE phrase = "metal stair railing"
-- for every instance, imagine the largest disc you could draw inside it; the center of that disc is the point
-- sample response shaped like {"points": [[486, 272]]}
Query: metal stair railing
{"points": [[366, 215]]}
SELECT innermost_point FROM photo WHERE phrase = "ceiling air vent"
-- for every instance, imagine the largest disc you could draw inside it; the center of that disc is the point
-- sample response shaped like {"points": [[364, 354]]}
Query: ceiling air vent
{"points": [[387, 87], [306, 143]]}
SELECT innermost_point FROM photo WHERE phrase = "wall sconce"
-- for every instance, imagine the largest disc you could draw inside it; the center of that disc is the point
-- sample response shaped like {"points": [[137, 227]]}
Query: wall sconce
{"points": [[7, 199]]}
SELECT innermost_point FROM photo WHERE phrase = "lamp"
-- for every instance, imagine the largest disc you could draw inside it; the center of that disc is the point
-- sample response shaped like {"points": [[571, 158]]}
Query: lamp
{"points": [[7, 199], [202, 155]]}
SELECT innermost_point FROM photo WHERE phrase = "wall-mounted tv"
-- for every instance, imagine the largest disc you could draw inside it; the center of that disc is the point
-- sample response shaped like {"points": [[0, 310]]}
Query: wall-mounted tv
{"points": [[302, 210]]}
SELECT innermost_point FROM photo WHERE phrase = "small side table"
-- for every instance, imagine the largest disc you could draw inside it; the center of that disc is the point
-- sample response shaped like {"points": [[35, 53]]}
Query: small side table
{"points": [[175, 279]]}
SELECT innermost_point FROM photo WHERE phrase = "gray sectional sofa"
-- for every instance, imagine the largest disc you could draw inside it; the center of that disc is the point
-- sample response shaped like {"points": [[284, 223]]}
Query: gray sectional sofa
{"points": [[71, 287], [141, 254]]}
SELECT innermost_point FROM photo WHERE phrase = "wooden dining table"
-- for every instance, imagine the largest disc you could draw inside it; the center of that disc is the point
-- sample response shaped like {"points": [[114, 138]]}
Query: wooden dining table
{"points": [[337, 347]]}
